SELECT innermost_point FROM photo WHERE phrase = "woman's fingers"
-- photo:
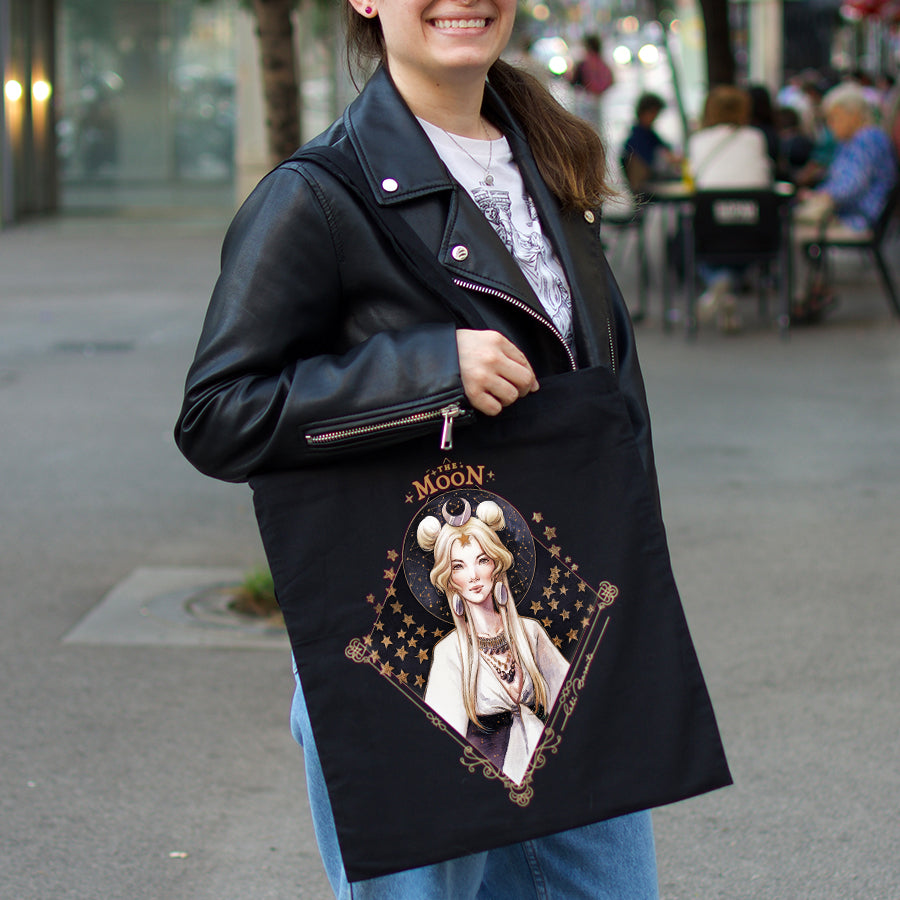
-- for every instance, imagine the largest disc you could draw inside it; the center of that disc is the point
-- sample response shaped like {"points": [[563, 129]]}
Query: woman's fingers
{"points": [[495, 373]]}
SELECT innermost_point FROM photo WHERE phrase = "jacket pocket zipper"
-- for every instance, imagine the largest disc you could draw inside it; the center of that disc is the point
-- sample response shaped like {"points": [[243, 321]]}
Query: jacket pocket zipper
{"points": [[518, 304], [449, 413]]}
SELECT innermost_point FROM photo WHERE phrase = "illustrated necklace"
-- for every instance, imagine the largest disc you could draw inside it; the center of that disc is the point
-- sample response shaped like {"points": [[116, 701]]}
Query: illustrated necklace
{"points": [[488, 179], [491, 648]]}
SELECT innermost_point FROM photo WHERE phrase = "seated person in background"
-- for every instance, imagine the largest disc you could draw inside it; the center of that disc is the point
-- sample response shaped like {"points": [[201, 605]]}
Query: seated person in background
{"points": [[726, 153], [794, 147], [646, 155], [848, 202]]}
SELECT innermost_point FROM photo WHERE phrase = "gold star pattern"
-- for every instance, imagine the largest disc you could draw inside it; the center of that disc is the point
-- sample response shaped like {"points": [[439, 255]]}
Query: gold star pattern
{"points": [[374, 656], [370, 598], [554, 575], [563, 589], [412, 642], [402, 676], [564, 614], [420, 631], [554, 603], [585, 622], [437, 632], [422, 655], [549, 533], [578, 604], [537, 517], [379, 625], [389, 574], [367, 640], [396, 606], [401, 652], [390, 592], [409, 498], [537, 606], [408, 619], [555, 550], [546, 622], [386, 640], [420, 681], [392, 555], [572, 635], [548, 592], [387, 669], [401, 633]]}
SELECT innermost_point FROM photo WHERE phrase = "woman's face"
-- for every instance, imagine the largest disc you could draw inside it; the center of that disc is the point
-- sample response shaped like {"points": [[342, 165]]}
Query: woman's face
{"points": [[843, 123], [471, 571], [442, 40]]}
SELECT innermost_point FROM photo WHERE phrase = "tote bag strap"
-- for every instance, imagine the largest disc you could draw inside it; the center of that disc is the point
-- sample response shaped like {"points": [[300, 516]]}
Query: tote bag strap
{"points": [[410, 248]]}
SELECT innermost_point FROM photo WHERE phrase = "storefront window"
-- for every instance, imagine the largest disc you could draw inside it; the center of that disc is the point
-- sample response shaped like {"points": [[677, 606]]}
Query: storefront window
{"points": [[146, 100]]}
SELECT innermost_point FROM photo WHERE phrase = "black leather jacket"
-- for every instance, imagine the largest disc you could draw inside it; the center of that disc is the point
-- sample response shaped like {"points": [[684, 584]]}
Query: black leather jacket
{"points": [[315, 328]]}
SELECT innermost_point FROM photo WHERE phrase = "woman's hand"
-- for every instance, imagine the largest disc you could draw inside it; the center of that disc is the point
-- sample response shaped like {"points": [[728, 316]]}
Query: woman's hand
{"points": [[495, 372]]}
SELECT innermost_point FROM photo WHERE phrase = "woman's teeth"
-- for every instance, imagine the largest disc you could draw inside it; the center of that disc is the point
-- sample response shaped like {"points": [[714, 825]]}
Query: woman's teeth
{"points": [[460, 23]]}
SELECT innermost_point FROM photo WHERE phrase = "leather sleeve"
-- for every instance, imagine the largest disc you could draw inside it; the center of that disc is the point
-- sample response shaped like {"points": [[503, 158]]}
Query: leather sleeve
{"points": [[273, 359]]}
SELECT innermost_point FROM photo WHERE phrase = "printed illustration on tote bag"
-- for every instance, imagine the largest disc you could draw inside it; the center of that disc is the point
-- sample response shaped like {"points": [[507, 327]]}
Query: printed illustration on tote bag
{"points": [[486, 624]]}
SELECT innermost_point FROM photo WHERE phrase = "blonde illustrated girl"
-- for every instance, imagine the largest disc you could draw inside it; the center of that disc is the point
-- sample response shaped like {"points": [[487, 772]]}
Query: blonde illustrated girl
{"points": [[497, 675]]}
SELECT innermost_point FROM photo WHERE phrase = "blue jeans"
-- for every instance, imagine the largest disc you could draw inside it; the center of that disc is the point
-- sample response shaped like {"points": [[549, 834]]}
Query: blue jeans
{"points": [[612, 860]]}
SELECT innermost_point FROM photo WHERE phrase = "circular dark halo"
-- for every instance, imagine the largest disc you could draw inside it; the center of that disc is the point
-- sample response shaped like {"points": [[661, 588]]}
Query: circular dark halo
{"points": [[516, 536]]}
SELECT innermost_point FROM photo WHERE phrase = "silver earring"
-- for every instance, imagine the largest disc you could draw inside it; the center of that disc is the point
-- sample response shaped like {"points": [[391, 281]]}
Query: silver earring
{"points": [[501, 595], [457, 605]]}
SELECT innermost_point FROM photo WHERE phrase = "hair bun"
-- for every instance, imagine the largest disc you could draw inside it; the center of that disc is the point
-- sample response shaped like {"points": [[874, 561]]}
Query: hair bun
{"points": [[491, 514], [427, 533]]}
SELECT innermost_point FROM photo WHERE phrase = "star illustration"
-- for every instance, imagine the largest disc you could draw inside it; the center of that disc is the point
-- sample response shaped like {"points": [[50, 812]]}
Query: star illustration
{"points": [[578, 604], [401, 652], [374, 656], [402, 676], [367, 640], [546, 623], [408, 619], [572, 635], [423, 656], [397, 606], [387, 669], [536, 607], [409, 498], [585, 622], [563, 589], [390, 592], [564, 614], [386, 640], [437, 632], [557, 641], [389, 574], [401, 633], [420, 681], [379, 625], [554, 602], [554, 575], [574, 567], [370, 598], [420, 631], [548, 592], [555, 550], [378, 608], [392, 555], [581, 587], [412, 642], [549, 533], [537, 517]]}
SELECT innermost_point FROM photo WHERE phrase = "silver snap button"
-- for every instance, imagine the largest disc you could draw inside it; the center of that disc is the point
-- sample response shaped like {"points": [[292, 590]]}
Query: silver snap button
{"points": [[390, 185], [589, 216], [459, 252]]}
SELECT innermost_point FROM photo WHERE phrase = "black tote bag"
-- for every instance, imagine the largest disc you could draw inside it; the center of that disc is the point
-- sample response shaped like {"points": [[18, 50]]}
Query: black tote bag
{"points": [[627, 724]]}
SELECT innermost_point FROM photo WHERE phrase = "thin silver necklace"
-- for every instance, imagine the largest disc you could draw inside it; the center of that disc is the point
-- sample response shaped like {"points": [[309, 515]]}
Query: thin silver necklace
{"points": [[488, 179]]}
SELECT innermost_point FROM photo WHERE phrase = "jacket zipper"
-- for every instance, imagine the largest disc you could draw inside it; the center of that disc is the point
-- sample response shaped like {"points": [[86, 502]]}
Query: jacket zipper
{"points": [[518, 304], [493, 292], [448, 413]]}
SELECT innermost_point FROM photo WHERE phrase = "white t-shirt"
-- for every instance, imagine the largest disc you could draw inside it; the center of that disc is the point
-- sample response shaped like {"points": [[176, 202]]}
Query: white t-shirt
{"points": [[512, 214], [728, 156]]}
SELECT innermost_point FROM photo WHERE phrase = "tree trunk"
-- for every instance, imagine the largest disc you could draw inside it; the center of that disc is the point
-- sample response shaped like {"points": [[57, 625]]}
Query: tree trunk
{"points": [[279, 75], [720, 65]]}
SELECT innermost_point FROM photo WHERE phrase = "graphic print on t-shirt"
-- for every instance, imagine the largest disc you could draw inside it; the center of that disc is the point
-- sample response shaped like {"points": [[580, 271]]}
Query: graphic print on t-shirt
{"points": [[524, 240]]}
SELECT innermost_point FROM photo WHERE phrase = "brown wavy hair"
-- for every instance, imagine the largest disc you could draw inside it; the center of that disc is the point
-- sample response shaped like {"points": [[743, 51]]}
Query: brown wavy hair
{"points": [[569, 153]]}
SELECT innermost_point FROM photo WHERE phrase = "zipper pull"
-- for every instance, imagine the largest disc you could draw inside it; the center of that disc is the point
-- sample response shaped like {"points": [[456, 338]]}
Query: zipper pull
{"points": [[449, 413]]}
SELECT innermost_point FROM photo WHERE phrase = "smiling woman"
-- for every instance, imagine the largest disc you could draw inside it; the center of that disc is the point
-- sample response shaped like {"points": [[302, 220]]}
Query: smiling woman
{"points": [[431, 259]]}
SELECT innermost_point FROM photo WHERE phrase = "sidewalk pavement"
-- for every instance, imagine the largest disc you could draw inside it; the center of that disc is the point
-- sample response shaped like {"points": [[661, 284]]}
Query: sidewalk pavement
{"points": [[154, 762]]}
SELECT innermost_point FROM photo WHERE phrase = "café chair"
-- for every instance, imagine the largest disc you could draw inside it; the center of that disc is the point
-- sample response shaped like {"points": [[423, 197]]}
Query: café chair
{"points": [[740, 228], [871, 240]]}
